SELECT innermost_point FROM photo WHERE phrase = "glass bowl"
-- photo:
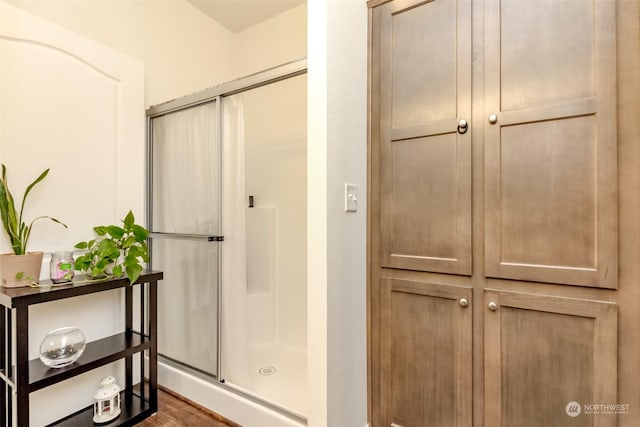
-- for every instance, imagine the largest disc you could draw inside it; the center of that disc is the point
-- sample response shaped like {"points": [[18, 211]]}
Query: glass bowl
{"points": [[62, 347]]}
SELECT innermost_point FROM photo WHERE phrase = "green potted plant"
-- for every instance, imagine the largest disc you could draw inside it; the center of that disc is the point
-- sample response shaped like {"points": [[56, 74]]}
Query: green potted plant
{"points": [[116, 251], [20, 268]]}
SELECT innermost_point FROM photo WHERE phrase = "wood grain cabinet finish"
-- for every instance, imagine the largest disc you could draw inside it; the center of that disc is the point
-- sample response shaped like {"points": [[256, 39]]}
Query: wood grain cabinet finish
{"points": [[424, 84], [551, 165], [428, 340], [546, 176], [543, 352]]}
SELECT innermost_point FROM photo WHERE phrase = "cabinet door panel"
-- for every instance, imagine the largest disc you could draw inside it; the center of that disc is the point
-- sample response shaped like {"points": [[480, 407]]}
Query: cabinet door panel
{"points": [[551, 190], [429, 345], [423, 93], [541, 353], [542, 69], [550, 165], [425, 164], [424, 180]]}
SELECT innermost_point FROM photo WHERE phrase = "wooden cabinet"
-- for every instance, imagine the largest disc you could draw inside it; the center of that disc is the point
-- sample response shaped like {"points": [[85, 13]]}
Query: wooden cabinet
{"points": [[542, 352], [503, 199], [429, 361], [420, 149], [20, 376], [550, 157]]}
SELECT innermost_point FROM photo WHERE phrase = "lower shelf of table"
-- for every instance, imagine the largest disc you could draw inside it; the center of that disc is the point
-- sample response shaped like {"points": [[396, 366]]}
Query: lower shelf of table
{"points": [[132, 412], [98, 353]]}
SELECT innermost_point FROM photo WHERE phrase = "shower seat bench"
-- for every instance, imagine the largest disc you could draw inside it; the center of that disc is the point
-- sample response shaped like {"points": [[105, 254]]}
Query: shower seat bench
{"points": [[20, 376]]}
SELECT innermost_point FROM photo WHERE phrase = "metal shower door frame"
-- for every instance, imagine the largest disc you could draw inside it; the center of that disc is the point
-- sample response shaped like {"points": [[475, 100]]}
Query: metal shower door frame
{"points": [[213, 94]]}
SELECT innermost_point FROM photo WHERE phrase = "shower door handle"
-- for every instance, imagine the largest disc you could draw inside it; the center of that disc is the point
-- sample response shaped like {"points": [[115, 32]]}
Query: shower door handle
{"points": [[206, 237]]}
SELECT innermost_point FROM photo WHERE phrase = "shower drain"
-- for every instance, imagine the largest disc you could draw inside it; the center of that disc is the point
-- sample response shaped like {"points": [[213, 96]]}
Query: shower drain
{"points": [[267, 370]]}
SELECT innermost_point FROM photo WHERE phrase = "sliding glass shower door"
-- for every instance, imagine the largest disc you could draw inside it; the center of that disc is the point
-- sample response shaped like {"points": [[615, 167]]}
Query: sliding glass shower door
{"points": [[185, 225], [233, 158], [264, 327]]}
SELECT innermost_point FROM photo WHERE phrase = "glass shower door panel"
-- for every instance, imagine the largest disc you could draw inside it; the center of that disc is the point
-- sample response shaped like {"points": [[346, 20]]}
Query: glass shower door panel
{"points": [[186, 171], [185, 179], [187, 305], [264, 329]]}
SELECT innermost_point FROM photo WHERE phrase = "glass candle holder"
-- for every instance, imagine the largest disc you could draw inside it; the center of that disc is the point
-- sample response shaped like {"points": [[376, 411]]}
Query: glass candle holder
{"points": [[62, 347], [61, 267]]}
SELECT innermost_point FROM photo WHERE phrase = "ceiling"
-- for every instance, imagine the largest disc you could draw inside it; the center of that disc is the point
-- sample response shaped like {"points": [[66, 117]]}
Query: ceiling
{"points": [[237, 15]]}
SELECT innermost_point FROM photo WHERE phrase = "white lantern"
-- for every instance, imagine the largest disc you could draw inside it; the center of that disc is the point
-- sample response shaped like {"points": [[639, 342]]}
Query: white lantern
{"points": [[107, 401]]}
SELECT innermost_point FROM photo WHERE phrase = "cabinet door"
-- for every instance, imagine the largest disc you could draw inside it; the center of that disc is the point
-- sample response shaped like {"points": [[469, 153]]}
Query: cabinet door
{"points": [[427, 355], [423, 63], [546, 358], [551, 166]]}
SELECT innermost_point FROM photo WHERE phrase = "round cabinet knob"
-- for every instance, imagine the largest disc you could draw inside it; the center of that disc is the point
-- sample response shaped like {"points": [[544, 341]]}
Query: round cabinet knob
{"points": [[493, 119], [463, 302], [463, 126], [492, 306]]}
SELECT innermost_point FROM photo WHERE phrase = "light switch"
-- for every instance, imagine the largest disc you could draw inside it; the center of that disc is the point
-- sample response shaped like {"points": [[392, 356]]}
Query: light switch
{"points": [[350, 197]]}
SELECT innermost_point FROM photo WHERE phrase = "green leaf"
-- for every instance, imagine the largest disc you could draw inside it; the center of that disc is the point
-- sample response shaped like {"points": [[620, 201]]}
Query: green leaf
{"points": [[115, 254], [117, 270], [28, 190], [102, 264], [27, 230], [133, 272], [37, 180], [129, 220], [134, 252], [100, 230], [13, 224], [115, 231], [145, 248], [97, 272], [8, 213], [4, 200], [140, 232], [58, 221], [81, 245], [130, 240], [19, 275], [79, 264], [130, 260], [106, 245]]}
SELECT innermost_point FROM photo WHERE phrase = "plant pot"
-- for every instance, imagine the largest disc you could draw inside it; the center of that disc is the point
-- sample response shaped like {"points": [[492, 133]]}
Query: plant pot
{"points": [[20, 270]]}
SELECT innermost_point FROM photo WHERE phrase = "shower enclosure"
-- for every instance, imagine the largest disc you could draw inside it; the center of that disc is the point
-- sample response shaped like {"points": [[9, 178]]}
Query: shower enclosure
{"points": [[227, 214]]}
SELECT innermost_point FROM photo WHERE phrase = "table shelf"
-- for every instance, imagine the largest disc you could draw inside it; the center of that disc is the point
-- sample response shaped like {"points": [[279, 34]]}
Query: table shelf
{"points": [[96, 354], [20, 376], [132, 413]]}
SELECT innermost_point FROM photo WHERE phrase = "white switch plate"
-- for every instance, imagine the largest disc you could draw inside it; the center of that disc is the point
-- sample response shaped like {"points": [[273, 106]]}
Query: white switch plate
{"points": [[350, 197]]}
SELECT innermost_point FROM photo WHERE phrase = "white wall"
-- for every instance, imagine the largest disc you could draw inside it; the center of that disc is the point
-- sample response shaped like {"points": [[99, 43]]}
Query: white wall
{"points": [[337, 142], [183, 50], [276, 41], [77, 107], [337, 46]]}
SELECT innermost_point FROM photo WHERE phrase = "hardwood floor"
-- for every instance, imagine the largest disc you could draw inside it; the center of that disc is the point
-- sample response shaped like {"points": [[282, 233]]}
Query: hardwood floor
{"points": [[177, 411]]}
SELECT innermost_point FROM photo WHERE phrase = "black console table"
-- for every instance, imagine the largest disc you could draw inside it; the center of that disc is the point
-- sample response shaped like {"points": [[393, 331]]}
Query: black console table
{"points": [[20, 376]]}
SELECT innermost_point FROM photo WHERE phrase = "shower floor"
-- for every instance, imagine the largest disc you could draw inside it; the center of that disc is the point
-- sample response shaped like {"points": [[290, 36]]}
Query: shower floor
{"points": [[279, 376]]}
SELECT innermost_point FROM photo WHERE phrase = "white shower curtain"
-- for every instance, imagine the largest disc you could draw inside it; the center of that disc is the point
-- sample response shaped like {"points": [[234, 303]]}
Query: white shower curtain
{"points": [[186, 171], [185, 201], [234, 327]]}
